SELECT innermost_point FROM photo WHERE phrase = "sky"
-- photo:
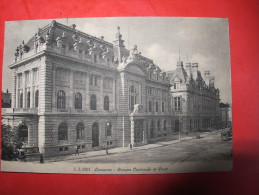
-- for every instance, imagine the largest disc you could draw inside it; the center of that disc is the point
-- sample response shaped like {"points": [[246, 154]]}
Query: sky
{"points": [[202, 40]]}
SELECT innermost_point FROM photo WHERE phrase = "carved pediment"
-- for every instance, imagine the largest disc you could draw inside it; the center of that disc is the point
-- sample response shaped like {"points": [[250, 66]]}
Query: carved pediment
{"points": [[135, 69]]}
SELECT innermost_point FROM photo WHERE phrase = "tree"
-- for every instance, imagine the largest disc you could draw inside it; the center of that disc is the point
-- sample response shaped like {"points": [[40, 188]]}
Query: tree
{"points": [[10, 142]]}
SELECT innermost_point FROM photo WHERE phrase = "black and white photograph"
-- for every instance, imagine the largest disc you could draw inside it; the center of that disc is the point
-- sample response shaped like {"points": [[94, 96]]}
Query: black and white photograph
{"points": [[117, 95]]}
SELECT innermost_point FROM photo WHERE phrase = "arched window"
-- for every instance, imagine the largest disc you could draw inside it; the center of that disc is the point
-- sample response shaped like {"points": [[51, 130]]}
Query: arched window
{"points": [[93, 102], [62, 131], [23, 133], [78, 100], [28, 99], [132, 97], [61, 100], [106, 103], [80, 130], [164, 125], [21, 100], [108, 129], [36, 98], [158, 125]]}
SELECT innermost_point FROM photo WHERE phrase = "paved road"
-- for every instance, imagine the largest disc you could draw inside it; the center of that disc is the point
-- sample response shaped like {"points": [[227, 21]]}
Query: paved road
{"points": [[206, 149]]}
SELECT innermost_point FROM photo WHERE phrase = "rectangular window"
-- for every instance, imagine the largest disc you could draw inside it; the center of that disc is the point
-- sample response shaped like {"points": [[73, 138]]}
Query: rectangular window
{"points": [[163, 106], [66, 148], [83, 146], [27, 77], [177, 103], [60, 149]]}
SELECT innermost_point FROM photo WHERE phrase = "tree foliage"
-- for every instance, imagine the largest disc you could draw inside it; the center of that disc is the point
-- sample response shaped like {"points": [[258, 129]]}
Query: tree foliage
{"points": [[10, 142]]}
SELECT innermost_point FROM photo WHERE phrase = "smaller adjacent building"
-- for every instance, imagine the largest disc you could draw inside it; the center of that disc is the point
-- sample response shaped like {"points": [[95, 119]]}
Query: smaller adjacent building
{"points": [[194, 99]]}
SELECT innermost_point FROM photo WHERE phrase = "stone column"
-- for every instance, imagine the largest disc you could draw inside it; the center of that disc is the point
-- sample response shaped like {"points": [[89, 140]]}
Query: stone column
{"points": [[114, 95], [132, 139], [71, 91], [31, 90], [101, 95], [23, 91], [87, 103], [17, 92], [54, 106]]}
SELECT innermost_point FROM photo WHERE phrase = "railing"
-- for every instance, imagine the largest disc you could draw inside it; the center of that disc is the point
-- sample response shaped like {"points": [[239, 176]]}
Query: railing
{"points": [[19, 110]]}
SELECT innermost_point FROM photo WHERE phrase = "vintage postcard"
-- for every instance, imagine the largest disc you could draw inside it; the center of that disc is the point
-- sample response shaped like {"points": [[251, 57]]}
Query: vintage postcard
{"points": [[121, 95]]}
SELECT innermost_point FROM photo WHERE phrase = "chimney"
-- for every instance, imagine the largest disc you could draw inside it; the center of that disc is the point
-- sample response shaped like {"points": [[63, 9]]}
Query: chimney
{"points": [[207, 77], [211, 81], [194, 70], [188, 68]]}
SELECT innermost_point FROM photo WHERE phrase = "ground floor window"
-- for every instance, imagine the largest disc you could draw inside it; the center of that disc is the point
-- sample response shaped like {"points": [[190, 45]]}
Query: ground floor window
{"points": [[62, 131], [23, 133]]}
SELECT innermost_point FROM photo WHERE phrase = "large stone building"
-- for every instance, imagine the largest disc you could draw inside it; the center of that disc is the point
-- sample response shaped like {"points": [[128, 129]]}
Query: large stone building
{"points": [[71, 89], [195, 100]]}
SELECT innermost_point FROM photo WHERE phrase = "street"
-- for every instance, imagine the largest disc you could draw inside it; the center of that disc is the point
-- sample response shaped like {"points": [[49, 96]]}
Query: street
{"points": [[208, 148]]}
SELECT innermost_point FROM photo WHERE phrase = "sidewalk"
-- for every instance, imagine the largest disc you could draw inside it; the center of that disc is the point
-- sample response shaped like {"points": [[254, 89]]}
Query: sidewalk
{"points": [[118, 150]]}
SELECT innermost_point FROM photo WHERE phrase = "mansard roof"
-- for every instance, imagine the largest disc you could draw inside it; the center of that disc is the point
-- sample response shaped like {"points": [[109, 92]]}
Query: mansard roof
{"points": [[179, 73]]}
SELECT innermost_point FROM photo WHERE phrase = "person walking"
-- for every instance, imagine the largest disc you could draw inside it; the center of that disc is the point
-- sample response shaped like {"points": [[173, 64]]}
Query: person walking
{"points": [[107, 152], [76, 151], [41, 159], [130, 146]]}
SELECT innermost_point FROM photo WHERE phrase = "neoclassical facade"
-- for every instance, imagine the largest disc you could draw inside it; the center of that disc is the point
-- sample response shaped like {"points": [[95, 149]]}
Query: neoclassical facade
{"points": [[195, 100], [71, 89]]}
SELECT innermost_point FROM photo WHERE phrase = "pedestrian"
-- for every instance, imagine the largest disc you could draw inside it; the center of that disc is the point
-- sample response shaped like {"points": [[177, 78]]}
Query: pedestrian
{"points": [[130, 146], [107, 152], [76, 150], [41, 159]]}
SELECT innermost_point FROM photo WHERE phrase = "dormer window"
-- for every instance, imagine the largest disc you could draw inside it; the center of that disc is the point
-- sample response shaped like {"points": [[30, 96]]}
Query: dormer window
{"points": [[177, 85]]}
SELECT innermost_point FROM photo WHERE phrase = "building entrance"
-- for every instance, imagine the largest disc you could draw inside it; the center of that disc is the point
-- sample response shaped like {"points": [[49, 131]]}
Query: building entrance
{"points": [[138, 130]]}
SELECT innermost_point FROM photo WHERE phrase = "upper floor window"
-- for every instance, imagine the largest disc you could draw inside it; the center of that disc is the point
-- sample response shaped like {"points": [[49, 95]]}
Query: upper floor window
{"points": [[93, 102], [80, 130], [132, 97], [93, 80], [107, 83], [149, 90], [78, 100], [35, 75], [27, 77], [156, 106], [106, 102], [177, 85], [177, 103], [21, 100], [79, 78], [19, 80], [63, 75], [163, 106], [62, 131], [28, 99], [108, 129], [36, 98], [150, 106], [61, 100], [158, 125]]}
